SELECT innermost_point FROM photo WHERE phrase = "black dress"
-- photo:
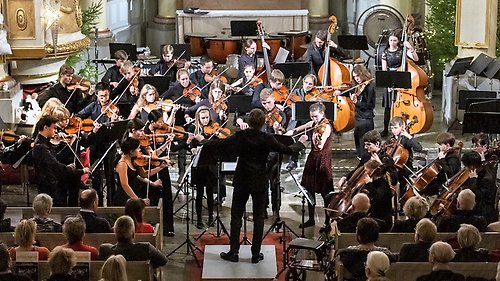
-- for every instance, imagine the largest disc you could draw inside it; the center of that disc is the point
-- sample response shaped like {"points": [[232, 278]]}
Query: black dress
{"points": [[393, 59], [121, 196]]}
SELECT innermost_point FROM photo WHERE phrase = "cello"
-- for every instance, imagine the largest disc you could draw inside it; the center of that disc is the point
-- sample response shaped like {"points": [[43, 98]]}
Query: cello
{"points": [[334, 73], [412, 103]]}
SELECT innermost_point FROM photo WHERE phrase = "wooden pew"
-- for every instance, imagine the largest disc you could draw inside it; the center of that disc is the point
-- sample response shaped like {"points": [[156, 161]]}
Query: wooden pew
{"points": [[393, 241], [136, 270], [51, 240], [410, 271]]}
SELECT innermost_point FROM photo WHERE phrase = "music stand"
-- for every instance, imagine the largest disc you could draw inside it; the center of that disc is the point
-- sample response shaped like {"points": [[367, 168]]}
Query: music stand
{"points": [[479, 65], [460, 66], [294, 69], [161, 83], [353, 42], [300, 110], [129, 48], [492, 69], [243, 28], [179, 49], [239, 104], [393, 79]]}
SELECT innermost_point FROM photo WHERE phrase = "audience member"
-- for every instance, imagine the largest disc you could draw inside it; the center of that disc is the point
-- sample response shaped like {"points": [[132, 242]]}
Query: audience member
{"points": [[377, 265], [465, 214], [6, 265], [132, 251], [468, 239], [425, 233], [42, 205], [74, 231], [353, 257], [89, 201], [61, 261], [24, 235], [5, 223], [498, 272], [440, 254], [135, 209], [360, 205], [495, 226], [114, 269], [415, 209]]}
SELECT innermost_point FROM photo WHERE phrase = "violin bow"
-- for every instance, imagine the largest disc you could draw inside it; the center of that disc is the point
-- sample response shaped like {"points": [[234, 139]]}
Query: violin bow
{"points": [[308, 129], [250, 81], [73, 151], [190, 90], [218, 75], [290, 92], [175, 60], [218, 130]]}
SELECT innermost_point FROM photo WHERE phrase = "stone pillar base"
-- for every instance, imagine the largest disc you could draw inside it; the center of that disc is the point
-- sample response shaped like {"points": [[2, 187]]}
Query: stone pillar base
{"points": [[159, 32], [318, 23]]}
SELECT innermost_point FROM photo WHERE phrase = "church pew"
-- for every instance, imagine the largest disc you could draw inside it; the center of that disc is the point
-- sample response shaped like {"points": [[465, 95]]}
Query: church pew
{"points": [[410, 271], [136, 270], [393, 241], [51, 240]]}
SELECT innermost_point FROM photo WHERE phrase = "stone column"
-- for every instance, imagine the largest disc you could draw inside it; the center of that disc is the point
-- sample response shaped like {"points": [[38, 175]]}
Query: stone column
{"points": [[318, 15], [162, 29]]}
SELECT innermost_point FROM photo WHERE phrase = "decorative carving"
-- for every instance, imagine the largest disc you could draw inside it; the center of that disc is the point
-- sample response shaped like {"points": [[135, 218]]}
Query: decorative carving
{"points": [[21, 19], [71, 47]]}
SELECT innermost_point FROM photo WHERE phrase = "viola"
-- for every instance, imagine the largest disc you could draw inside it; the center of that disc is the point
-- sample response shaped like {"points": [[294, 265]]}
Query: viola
{"points": [[77, 124], [214, 74], [280, 94], [192, 92], [273, 116], [214, 129]]}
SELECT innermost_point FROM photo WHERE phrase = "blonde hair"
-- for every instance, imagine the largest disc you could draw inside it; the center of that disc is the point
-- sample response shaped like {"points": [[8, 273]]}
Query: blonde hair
{"points": [[265, 94], [25, 232], [425, 230], [216, 84], [42, 203], [199, 126], [441, 252], [142, 102], [277, 76], [114, 269], [416, 207], [378, 264], [60, 113], [466, 199], [126, 66], [61, 260], [468, 236]]}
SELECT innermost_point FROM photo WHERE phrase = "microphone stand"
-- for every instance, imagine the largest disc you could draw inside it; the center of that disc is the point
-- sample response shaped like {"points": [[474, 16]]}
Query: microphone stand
{"points": [[96, 52]]}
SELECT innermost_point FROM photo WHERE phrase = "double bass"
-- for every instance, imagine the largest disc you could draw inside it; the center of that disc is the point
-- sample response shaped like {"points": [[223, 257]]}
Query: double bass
{"points": [[411, 103], [260, 29], [334, 73]]}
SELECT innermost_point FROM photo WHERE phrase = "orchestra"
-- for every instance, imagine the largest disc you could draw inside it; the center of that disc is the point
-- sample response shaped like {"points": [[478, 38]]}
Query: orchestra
{"points": [[122, 136]]}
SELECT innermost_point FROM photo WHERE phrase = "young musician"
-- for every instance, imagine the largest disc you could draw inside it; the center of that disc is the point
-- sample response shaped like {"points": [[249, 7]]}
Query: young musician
{"points": [[148, 100], [72, 99], [249, 84], [168, 62], [448, 159], [129, 88], [317, 176], [48, 169], [252, 147], [315, 52], [248, 56], [113, 75], [391, 61], [203, 76], [277, 81], [216, 103], [380, 190], [308, 85], [410, 144]]}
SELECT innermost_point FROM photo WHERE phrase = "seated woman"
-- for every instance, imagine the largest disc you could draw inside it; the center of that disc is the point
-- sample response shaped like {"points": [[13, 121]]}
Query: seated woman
{"points": [[353, 257], [415, 209], [61, 261], [425, 234], [135, 209], [42, 205], [149, 99], [6, 266], [376, 266], [24, 235], [440, 254], [74, 230], [469, 238], [114, 269]]}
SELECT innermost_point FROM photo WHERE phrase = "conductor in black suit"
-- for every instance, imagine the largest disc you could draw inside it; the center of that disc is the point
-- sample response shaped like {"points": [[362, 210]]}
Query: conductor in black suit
{"points": [[88, 205], [252, 146]]}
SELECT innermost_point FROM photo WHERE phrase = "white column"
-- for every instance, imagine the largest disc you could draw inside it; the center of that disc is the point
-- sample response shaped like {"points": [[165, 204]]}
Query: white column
{"points": [[166, 11], [318, 15], [102, 24]]}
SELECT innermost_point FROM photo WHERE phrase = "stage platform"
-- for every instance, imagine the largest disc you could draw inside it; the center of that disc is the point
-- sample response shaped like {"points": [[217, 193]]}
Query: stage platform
{"points": [[215, 268]]}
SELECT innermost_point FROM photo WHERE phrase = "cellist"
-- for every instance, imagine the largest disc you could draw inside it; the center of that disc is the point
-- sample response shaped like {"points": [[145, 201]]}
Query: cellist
{"points": [[380, 190]]}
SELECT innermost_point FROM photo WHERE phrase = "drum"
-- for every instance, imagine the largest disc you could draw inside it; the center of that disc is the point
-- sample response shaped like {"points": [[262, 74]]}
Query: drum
{"points": [[295, 39], [197, 41], [274, 43], [232, 66], [219, 48], [382, 44]]}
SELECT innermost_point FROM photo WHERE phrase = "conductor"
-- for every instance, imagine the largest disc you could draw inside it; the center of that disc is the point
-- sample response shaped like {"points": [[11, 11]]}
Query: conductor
{"points": [[252, 146]]}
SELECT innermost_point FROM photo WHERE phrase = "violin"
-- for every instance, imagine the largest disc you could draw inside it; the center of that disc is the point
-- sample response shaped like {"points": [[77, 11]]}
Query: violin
{"points": [[135, 80], [165, 130], [146, 160], [220, 105], [280, 94], [273, 116], [8, 136], [62, 137], [214, 129], [319, 130], [79, 83], [209, 77], [255, 81], [110, 109], [77, 124], [192, 92]]}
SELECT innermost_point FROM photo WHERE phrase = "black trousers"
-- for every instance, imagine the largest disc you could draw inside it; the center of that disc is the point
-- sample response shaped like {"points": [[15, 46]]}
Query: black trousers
{"points": [[361, 126], [311, 208], [240, 198], [96, 152], [165, 192]]}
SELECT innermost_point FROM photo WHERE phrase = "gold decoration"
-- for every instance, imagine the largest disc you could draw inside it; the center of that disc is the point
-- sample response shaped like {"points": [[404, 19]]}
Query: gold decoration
{"points": [[21, 20], [37, 76], [68, 48], [78, 14]]}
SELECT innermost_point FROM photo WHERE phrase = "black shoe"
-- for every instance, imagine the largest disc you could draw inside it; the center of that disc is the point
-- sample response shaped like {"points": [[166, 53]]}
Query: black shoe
{"points": [[231, 257], [325, 228], [307, 224], [384, 133], [200, 225], [169, 234], [256, 259]]}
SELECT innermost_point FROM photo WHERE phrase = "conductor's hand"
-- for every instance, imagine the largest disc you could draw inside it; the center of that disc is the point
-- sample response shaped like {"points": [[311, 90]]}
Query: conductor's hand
{"points": [[303, 139]]}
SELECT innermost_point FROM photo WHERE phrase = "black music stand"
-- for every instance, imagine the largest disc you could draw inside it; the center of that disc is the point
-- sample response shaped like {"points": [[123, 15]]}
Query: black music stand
{"points": [[130, 49], [161, 83], [243, 28], [479, 65], [460, 66], [492, 70], [393, 79], [353, 43], [239, 104], [294, 69], [300, 110]]}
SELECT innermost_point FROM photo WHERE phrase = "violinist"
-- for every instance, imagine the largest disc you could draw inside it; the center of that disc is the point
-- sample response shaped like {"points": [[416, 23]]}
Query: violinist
{"points": [[410, 144], [130, 87], [317, 176], [364, 100], [275, 118], [448, 159], [216, 103], [248, 56], [391, 61], [380, 189], [308, 87], [315, 52], [276, 83], [148, 100], [168, 62], [203, 76], [97, 142], [249, 84], [72, 99], [113, 75], [48, 169]]}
